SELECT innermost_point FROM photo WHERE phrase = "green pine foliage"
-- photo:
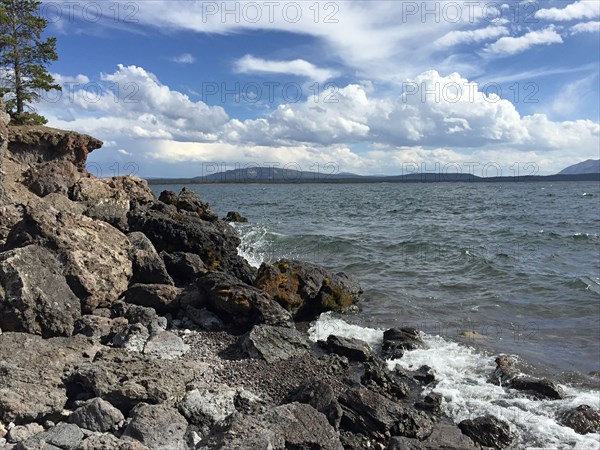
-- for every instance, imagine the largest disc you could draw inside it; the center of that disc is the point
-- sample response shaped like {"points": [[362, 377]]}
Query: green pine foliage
{"points": [[24, 56]]}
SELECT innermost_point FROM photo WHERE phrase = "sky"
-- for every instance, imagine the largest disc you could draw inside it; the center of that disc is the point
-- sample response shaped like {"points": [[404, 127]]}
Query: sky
{"points": [[186, 88]]}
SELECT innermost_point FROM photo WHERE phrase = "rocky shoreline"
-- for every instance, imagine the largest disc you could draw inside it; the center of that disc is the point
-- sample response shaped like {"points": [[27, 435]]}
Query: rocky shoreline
{"points": [[130, 322]]}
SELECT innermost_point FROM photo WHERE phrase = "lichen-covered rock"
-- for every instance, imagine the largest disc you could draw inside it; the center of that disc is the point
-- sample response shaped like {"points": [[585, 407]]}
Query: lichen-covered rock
{"points": [[488, 431], [32, 385], [31, 144], [239, 303], [95, 255], [159, 427], [305, 289], [34, 295], [148, 266]]}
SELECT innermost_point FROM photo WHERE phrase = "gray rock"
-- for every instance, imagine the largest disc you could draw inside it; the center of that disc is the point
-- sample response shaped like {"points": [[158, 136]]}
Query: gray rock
{"points": [[379, 379], [274, 343], [368, 413], [183, 267], [237, 302], [488, 431], [507, 375], [320, 396], [23, 432], [165, 345], [161, 297], [148, 266], [95, 255], [305, 289], [125, 379], [100, 328], [158, 427], [32, 386], [140, 315], [97, 415], [204, 318], [583, 419], [133, 338], [110, 442], [413, 424], [445, 436], [353, 349], [208, 406], [291, 426], [36, 297], [52, 177], [65, 436], [398, 340]]}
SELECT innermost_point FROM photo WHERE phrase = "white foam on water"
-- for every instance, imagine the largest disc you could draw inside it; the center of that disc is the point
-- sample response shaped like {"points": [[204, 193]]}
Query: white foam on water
{"points": [[255, 243], [462, 379]]}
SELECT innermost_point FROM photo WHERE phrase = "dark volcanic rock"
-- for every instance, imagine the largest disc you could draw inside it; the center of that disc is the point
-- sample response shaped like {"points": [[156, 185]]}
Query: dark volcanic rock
{"points": [[136, 314], [234, 216], [183, 267], [306, 290], [180, 231], [369, 413], [97, 415], [31, 385], [52, 177], [432, 403], [413, 424], [397, 340], [31, 144], [95, 256], [34, 295], [287, 427], [444, 436], [274, 343], [583, 419], [163, 298], [507, 375], [148, 266], [489, 431], [320, 396], [159, 427], [353, 349], [110, 442], [379, 379], [188, 200], [237, 302]]}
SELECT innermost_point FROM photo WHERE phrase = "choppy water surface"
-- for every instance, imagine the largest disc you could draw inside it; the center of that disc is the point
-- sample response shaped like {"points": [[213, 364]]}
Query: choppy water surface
{"points": [[519, 263]]}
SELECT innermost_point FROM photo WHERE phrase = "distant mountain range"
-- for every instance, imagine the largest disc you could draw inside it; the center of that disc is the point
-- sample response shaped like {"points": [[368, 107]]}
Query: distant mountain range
{"points": [[585, 171], [589, 166]]}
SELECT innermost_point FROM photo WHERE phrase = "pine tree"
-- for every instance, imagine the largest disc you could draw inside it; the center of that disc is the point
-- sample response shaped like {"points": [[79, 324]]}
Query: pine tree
{"points": [[24, 56]]}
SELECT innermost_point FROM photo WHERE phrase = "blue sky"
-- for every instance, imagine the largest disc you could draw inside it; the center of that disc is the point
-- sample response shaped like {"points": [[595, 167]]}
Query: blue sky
{"points": [[377, 87]]}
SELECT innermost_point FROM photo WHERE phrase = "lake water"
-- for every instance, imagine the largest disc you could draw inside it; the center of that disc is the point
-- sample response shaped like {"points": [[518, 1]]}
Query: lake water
{"points": [[518, 263]]}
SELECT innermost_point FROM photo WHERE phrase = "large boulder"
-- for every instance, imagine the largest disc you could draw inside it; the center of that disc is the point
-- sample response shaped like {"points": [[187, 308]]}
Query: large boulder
{"points": [[52, 177], [95, 255], [97, 415], [63, 436], [111, 199], [445, 436], [305, 289], [188, 200], [208, 406], [32, 372], [30, 144], [506, 374], [109, 442], [34, 295], [171, 230], [353, 349], [162, 297], [488, 431], [583, 419], [239, 303], [125, 379], [148, 266], [275, 343], [159, 427], [291, 426], [398, 340], [183, 267]]}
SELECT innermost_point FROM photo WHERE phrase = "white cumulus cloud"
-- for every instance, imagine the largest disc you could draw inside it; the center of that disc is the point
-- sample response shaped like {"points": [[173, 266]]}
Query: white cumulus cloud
{"points": [[300, 67], [471, 36], [581, 9], [586, 27], [512, 45]]}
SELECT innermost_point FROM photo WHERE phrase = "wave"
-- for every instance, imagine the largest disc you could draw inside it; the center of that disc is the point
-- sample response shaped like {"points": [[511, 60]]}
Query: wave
{"points": [[462, 372]]}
